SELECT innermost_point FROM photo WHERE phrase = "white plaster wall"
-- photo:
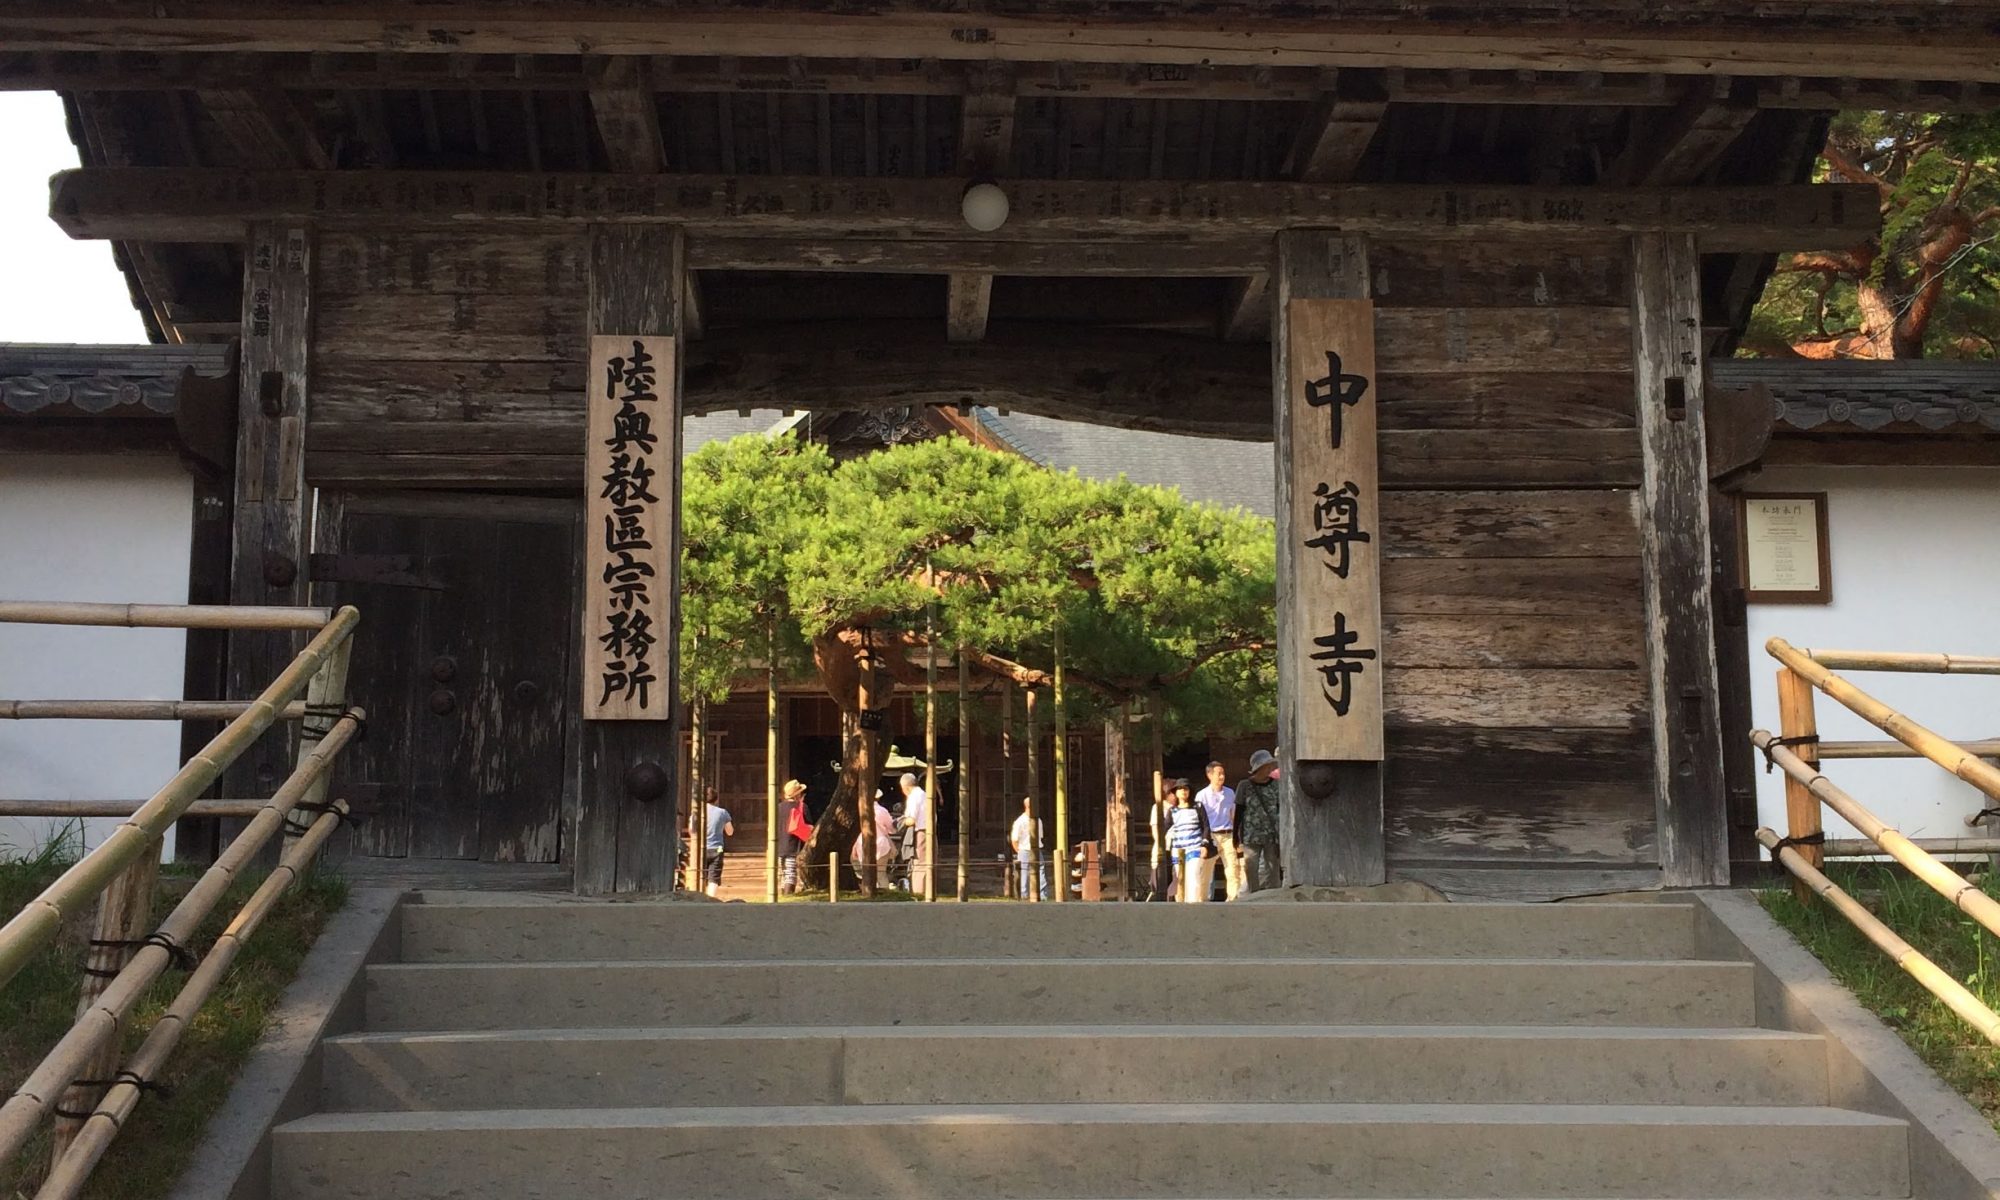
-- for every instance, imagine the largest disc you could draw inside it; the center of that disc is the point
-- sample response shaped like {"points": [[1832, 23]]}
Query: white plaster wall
{"points": [[1916, 566], [79, 528]]}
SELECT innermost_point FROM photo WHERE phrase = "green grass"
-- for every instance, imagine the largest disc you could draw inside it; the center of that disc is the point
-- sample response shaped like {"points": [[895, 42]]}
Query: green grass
{"points": [[1941, 933], [38, 1006]]}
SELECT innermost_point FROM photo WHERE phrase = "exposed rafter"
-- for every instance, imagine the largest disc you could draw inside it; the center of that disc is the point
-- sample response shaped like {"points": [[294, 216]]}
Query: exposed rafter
{"points": [[628, 118], [1677, 145], [265, 128]]}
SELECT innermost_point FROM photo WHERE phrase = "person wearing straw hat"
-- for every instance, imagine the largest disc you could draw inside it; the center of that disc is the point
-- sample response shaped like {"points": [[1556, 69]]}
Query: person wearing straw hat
{"points": [[794, 827], [1257, 801]]}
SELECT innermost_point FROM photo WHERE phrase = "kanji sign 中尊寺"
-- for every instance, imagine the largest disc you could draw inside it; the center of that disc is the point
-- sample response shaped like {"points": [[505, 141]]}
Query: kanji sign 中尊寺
{"points": [[1334, 592], [627, 614]]}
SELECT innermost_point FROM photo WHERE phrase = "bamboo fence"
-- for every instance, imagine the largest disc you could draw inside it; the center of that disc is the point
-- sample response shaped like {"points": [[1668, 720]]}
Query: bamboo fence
{"points": [[1883, 660], [1984, 748], [1953, 993], [1864, 848], [1941, 879], [164, 616], [97, 1027], [135, 710], [1941, 750], [37, 924], [70, 809], [72, 1171]]}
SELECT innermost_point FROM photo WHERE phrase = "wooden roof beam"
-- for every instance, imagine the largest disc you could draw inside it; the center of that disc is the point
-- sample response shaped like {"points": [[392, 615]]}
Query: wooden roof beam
{"points": [[265, 128], [985, 149], [176, 205], [1897, 38], [1331, 142], [1679, 145], [628, 117]]}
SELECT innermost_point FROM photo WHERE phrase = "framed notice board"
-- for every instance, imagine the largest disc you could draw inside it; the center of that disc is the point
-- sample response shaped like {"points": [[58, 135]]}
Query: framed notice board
{"points": [[1784, 548]]}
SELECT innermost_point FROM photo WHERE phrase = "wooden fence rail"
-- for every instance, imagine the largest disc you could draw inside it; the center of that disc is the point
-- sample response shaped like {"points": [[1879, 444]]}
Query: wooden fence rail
{"points": [[136, 710], [64, 810], [163, 616]]}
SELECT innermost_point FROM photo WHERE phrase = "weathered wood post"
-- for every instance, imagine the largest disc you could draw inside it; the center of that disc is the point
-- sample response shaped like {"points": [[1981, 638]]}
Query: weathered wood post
{"points": [[1798, 724], [927, 836], [124, 915], [326, 696], [1034, 770], [1329, 555], [1674, 548], [629, 649], [269, 539]]}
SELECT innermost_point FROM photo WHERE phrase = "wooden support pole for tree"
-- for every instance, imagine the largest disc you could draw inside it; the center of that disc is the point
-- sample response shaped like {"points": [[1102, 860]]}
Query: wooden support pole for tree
{"points": [[124, 915], [966, 780], [697, 791], [1689, 796], [771, 763], [1059, 759], [1156, 754], [1007, 796], [869, 778], [1116, 859], [1034, 767], [1797, 722], [927, 836]]}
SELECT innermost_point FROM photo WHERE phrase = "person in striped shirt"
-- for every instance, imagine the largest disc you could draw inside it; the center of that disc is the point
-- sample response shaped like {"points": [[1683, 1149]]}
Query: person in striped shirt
{"points": [[1187, 841]]}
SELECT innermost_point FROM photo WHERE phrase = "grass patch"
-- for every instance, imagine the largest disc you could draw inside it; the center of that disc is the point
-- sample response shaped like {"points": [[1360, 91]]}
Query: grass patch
{"points": [[1949, 938], [38, 1006]]}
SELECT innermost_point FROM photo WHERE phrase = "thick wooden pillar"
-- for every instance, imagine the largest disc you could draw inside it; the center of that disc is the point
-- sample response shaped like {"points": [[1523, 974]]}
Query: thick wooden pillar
{"points": [[267, 561], [625, 838], [1331, 827], [1675, 546]]}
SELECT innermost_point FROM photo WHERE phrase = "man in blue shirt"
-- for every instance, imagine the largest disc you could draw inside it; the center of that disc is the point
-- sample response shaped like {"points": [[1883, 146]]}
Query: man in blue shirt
{"points": [[717, 826], [1218, 803]]}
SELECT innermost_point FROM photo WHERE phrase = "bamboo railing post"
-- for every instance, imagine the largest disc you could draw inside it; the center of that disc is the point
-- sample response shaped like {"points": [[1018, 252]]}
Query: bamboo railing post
{"points": [[1943, 986], [833, 879], [1059, 756], [124, 915], [1796, 719], [325, 695], [965, 782], [72, 1169], [36, 924], [771, 764]]}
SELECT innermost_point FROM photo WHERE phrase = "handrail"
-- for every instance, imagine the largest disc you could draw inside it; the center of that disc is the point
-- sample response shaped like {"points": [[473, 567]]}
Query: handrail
{"points": [[1942, 879], [37, 924], [1806, 788], [70, 809], [38, 1094], [1940, 750], [163, 616], [1954, 994], [135, 710], [72, 1170]]}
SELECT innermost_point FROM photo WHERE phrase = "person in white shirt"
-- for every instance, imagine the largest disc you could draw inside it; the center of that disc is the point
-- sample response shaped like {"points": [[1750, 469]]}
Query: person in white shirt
{"points": [[885, 843], [917, 819], [1218, 804], [1026, 838]]}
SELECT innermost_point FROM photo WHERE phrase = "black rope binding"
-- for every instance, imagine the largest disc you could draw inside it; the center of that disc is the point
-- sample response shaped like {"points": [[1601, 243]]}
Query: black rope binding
{"points": [[1986, 813], [161, 1090], [320, 719], [176, 951], [297, 828], [1804, 839], [1803, 739]]}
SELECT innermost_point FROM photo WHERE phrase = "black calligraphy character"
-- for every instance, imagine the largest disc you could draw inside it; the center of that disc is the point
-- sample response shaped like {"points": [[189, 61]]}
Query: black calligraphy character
{"points": [[1340, 390], [1340, 660], [628, 481], [628, 642], [1336, 518], [632, 426], [636, 375]]}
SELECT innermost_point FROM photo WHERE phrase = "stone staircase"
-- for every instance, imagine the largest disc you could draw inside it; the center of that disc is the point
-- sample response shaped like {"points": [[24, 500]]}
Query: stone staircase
{"points": [[637, 1051]]}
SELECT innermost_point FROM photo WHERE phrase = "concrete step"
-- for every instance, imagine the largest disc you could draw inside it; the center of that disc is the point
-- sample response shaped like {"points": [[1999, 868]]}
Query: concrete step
{"points": [[1097, 1065], [568, 932], [968, 992], [1029, 1152]]}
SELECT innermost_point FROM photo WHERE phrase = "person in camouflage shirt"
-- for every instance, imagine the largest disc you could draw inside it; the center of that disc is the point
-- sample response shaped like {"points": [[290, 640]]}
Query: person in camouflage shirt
{"points": [[1257, 822]]}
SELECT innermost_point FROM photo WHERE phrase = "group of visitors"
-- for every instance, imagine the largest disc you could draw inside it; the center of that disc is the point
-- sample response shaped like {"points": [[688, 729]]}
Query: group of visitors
{"points": [[1235, 829], [1194, 834]]}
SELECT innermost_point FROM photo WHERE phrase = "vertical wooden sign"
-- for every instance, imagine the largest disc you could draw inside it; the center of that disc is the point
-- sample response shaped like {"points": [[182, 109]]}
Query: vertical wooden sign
{"points": [[629, 487], [1333, 593]]}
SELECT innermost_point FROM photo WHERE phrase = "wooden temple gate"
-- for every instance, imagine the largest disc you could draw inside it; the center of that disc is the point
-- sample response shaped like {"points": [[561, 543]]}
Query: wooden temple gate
{"points": [[1504, 280]]}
